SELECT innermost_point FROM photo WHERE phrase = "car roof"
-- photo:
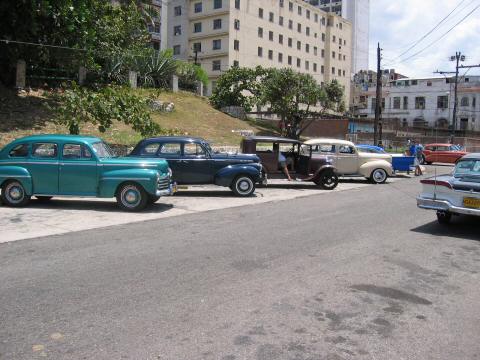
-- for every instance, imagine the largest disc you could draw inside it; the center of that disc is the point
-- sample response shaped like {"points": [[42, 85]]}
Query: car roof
{"points": [[439, 144], [58, 138], [328, 142], [472, 156], [274, 139], [173, 138]]}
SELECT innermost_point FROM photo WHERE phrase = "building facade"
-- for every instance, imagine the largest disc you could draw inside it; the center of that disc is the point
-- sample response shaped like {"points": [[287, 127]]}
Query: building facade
{"points": [[426, 102], [219, 34], [358, 13]]}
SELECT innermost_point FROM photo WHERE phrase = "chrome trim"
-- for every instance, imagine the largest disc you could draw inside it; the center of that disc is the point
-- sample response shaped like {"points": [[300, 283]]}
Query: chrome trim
{"points": [[444, 205], [172, 189], [77, 164], [121, 178], [15, 176], [131, 165]]}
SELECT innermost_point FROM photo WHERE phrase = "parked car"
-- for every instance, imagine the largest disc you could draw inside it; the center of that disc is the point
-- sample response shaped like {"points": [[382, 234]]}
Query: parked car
{"points": [[299, 157], [442, 153], [193, 162], [63, 165], [455, 194], [348, 161]]}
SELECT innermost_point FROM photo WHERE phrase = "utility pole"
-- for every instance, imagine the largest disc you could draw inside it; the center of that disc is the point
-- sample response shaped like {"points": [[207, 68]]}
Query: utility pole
{"points": [[457, 57], [378, 104]]}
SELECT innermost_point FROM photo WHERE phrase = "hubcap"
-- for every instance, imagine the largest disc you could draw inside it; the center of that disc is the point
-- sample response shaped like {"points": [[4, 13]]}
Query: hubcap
{"points": [[379, 176], [131, 196], [244, 186], [14, 193]]}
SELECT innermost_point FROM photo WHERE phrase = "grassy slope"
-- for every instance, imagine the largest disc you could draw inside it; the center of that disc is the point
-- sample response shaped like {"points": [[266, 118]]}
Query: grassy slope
{"points": [[26, 114]]}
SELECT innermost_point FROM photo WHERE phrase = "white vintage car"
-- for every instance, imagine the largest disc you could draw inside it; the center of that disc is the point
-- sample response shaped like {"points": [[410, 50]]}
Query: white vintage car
{"points": [[455, 194], [349, 161]]}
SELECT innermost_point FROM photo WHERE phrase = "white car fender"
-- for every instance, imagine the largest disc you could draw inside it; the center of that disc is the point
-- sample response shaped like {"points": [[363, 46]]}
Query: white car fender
{"points": [[367, 168]]}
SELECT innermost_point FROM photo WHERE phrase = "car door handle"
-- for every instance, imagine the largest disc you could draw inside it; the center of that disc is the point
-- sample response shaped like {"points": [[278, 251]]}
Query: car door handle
{"points": [[184, 161]]}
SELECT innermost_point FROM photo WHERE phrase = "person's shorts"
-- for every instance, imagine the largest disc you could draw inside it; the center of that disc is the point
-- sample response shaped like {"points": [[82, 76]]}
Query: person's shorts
{"points": [[283, 164], [416, 162]]}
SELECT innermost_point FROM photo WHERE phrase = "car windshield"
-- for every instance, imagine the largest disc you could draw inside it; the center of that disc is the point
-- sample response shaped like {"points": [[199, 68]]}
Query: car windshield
{"points": [[468, 168], [371, 150], [102, 150]]}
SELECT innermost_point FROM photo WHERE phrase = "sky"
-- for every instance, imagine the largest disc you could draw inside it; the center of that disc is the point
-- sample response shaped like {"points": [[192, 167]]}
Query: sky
{"points": [[398, 24]]}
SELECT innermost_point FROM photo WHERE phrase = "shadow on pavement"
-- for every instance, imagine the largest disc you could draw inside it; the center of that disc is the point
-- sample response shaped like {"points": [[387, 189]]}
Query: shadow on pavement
{"points": [[92, 205], [462, 227]]}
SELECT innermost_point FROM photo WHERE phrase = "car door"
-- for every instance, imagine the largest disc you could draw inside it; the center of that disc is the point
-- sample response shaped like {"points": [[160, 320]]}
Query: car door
{"points": [[43, 167], [442, 154], [78, 171], [346, 160], [170, 151], [196, 165]]}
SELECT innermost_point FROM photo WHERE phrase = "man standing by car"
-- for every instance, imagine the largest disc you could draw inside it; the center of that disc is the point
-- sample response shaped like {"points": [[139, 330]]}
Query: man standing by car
{"points": [[282, 162], [418, 159]]}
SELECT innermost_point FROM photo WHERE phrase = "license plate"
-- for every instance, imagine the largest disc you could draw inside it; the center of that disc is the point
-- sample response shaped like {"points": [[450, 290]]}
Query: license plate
{"points": [[471, 203]]}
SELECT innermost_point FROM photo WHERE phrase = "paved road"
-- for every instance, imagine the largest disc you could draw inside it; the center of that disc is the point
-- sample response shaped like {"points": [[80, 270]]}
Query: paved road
{"points": [[359, 274]]}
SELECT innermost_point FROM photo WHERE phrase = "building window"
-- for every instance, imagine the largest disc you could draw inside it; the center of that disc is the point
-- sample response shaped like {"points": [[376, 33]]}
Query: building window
{"points": [[271, 17], [420, 103], [280, 57], [340, 25], [156, 45], [323, 53], [281, 3], [270, 35], [176, 50], [344, 57], [216, 65], [217, 4], [197, 47], [314, 67], [177, 30], [260, 51], [308, 14], [236, 24], [217, 44], [323, 37], [290, 6], [307, 31], [299, 45], [307, 48], [197, 7], [307, 65], [197, 27], [290, 42], [339, 72], [343, 72], [156, 27], [322, 69], [236, 63], [315, 17], [290, 24], [396, 102], [299, 10], [289, 60], [323, 21], [237, 4], [333, 71], [299, 63], [217, 24], [333, 54], [177, 10], [299, 27], [280, 39], [270, 54], [442, 102], [280, 20], [315, 50], [260, 32], [464, 101], [260, 13], [405, 103], [414, 82], [236, 45], [334, 39]]}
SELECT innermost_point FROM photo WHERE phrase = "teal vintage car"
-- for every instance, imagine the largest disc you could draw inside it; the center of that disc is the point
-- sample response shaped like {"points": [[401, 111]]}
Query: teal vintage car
{"points": [[68, 165]]}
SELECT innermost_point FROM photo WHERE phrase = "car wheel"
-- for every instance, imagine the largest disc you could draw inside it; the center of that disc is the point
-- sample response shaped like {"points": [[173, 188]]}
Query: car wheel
{"points": [[44, 198], [132, 197], [379, 176], [444, 217], [152, 199], [327, 181], [14, 195], [243, 186]]}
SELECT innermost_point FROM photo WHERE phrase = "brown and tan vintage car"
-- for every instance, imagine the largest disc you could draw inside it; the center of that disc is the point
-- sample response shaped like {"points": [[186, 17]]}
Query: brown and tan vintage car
{"points": [[301, 165]]}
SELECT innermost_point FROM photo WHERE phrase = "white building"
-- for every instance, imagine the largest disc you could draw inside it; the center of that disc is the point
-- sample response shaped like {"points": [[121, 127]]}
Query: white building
{"points": [[427, 102], [358, 13]]}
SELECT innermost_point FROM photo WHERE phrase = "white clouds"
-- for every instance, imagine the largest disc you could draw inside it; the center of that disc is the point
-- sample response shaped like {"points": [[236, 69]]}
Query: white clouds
{"points": [[398, 24]]}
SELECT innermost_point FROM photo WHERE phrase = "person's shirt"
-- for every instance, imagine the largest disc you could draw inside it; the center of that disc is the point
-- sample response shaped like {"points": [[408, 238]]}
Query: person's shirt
{"points": [[419, 151], [281, 158], [413, 150]]}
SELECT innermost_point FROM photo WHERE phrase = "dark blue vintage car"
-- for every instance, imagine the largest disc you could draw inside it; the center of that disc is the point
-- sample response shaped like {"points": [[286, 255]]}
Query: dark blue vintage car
{"points": [[194, 163]]}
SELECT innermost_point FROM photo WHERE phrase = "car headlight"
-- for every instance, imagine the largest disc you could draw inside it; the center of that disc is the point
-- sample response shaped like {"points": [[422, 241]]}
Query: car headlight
{"points": [[170, 172]]}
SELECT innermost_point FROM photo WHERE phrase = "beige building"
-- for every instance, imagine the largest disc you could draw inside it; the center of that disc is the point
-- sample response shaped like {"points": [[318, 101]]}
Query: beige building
{"points": [[219, 34]]}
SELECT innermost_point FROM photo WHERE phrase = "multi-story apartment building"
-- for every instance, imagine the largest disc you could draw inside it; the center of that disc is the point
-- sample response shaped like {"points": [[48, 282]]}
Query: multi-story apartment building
{"points": [[427, 102], [358, 13], [219, 34]]}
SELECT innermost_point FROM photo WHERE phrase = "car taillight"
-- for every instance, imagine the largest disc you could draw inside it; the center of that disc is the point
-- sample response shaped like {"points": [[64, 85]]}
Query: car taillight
{"points": [[436, 183]]}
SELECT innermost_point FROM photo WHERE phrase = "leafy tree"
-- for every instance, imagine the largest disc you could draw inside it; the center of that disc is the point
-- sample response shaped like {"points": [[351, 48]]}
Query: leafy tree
{"points": [[189, 74], [238, 87], [290, 95], [156, 68], [335, 95], [79, 105]]}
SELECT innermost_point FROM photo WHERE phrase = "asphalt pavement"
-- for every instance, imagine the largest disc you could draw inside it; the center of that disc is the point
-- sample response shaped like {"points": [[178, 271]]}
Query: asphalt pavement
{"points": [[357, 274]]}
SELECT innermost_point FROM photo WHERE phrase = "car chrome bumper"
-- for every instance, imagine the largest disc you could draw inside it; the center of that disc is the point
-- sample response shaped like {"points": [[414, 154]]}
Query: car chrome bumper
{"points": [[444, 205], [172, 189], [264, 180]]}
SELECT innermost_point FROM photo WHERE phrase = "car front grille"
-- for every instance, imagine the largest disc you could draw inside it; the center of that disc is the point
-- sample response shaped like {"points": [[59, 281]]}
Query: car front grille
{"points": [[163, 183]]}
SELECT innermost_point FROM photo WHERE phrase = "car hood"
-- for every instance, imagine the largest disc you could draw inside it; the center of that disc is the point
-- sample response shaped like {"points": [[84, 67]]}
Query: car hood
{"points": [[242, 158], [135, 163]]}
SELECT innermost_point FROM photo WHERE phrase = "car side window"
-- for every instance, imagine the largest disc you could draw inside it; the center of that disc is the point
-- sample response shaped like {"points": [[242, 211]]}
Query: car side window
{"points": [[151, 149], [44, 150], [346, 149], [20, 150], [193, 149], [76, 151], [442, 148], [170, 150]]}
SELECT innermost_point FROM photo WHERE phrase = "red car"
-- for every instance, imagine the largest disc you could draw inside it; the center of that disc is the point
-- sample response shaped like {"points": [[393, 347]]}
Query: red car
{"points": [[442, 153]]}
